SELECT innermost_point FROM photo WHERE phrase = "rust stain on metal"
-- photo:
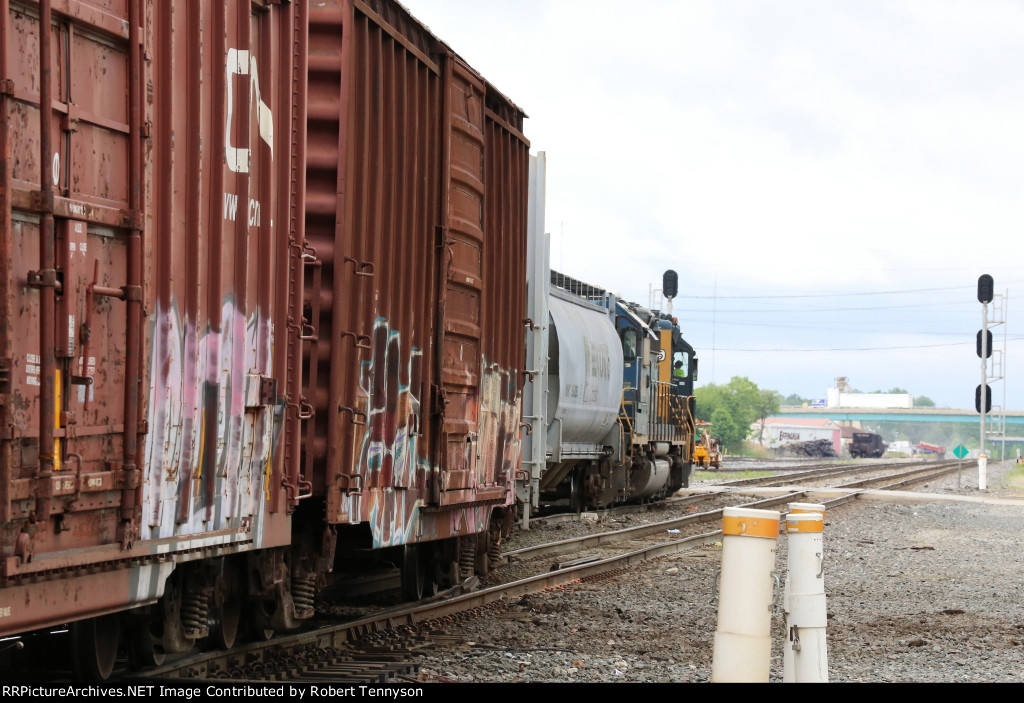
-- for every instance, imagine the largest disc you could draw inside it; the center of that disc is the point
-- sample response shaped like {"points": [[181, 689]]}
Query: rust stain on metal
{"points": [[206, 325], [151, 201], [419, 176]]}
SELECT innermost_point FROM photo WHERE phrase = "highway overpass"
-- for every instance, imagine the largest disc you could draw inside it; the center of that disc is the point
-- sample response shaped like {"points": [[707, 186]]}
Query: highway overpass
{"points": [[1014, 418]]}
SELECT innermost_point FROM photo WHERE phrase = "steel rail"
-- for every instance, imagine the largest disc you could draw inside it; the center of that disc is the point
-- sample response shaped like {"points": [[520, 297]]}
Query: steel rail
{"points": [[590, 541], [211, 665]]}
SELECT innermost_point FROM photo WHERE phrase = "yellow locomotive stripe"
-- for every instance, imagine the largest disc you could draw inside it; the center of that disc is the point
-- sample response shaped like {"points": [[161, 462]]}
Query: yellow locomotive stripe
{"points": [[750, 526]]}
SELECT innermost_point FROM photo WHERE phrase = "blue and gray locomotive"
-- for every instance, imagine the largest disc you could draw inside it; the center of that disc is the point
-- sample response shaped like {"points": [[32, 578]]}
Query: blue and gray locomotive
{"points": [[610, 401]]}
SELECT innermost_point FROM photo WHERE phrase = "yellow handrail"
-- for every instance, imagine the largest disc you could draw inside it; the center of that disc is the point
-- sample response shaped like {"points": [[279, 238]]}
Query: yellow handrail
{"points": [[625, 423]]}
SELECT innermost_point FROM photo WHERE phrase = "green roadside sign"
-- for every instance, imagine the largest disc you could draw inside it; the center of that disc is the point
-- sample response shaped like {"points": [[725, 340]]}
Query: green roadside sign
{"points": [[960, 452]]}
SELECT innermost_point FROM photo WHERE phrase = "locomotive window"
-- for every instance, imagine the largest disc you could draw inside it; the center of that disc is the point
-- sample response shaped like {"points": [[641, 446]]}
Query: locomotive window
{"points": [[680, 365], [628, 345]]}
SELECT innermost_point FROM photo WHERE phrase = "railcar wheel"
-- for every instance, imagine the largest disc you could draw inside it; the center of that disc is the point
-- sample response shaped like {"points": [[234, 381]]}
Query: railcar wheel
{"points": [[225, 632], [228, 614], [413, 573], [95, 642]]}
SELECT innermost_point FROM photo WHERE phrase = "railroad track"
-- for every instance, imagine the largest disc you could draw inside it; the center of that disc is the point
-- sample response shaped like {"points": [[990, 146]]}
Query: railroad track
{"points": [[829, 471], [380, 648], [792, 475], [902, 477]]}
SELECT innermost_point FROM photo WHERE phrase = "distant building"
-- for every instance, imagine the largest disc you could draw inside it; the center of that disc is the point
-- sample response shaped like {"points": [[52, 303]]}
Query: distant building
{"points": [[839, 397]]}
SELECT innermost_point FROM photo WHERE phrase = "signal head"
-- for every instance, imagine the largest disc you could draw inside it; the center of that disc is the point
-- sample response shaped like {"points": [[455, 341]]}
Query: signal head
{"points": [[985, 288]]}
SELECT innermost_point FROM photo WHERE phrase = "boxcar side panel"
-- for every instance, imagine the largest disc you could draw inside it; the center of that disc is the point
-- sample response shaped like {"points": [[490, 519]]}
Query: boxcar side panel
{"points": [[506, 179], [371, 218], [147, 247], [412, 408]]}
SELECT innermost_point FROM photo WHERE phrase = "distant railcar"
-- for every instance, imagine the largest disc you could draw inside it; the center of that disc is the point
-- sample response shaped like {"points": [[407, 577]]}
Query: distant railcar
{"points": [[867, 445]]}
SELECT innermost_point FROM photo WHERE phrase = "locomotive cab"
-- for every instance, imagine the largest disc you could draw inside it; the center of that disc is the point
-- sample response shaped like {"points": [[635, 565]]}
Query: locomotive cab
{"points": [[657, 407], [640, 368], [683, 367]]}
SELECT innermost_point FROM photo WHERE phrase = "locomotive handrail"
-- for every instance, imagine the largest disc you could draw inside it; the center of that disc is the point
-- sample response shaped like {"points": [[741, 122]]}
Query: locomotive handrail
{"points": [[670, 410], [626, 421]]}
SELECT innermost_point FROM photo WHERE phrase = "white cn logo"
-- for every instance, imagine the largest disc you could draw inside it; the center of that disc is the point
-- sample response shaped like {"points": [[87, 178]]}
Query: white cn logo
{"points": [[241, 63]]}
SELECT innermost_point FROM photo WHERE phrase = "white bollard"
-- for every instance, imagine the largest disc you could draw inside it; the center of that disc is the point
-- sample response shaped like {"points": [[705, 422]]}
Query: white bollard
{"points": [[788, 675], [743, 647], [806, 617], [807, 508], [982, 472]]}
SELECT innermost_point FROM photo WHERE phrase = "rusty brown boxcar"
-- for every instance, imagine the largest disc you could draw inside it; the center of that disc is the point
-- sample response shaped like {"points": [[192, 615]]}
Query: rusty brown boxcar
{"points": [[150, 283], [233, 362], [415, 291]]}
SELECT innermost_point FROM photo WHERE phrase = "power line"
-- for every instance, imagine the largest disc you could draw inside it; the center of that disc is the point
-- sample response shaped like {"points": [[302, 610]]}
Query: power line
{"points": [[691, 327], [941, 305], [844, 349], [822, 295]]}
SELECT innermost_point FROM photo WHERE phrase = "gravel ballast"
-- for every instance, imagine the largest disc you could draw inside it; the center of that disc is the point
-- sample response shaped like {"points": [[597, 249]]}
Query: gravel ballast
{"points": [[918, 590]]}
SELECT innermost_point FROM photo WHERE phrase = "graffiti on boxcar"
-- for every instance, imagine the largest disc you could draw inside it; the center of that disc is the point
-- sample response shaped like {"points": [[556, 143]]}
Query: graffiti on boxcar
{"points": [[469, 520], [395, 478], [392, 515], [500, 443], [389, 396], [206, 452], [386, 453]]}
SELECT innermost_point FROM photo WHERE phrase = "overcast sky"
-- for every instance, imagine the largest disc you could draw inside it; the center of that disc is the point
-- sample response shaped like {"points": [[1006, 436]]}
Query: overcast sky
{"points": [[828, 178]]}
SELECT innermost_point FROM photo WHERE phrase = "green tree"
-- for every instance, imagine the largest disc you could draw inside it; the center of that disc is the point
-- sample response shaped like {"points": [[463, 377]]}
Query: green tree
{"points": [[923, 401], [767, 404], [739, 400], [726, 429], [793, 400]]}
